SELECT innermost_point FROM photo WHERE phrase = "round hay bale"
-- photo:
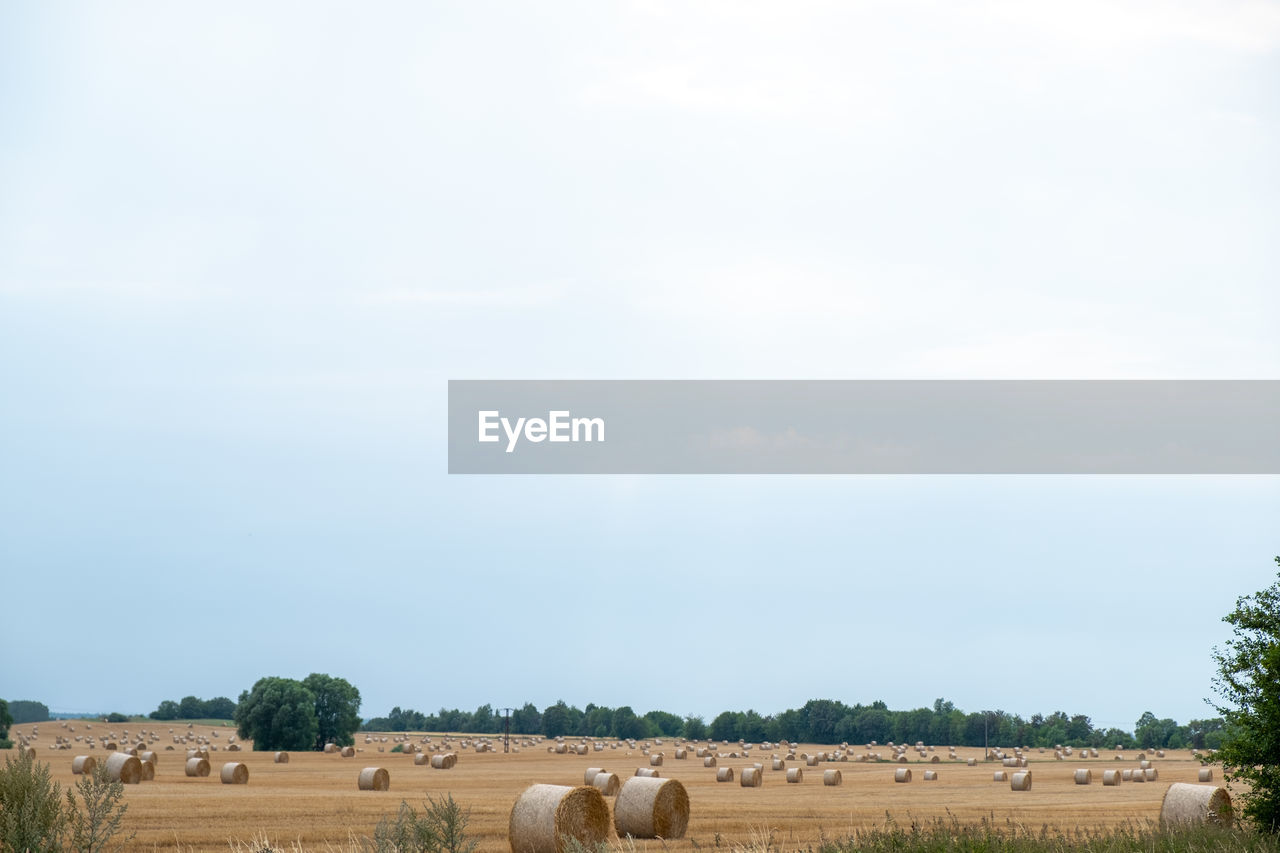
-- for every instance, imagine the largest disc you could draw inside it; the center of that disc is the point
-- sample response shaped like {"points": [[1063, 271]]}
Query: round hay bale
{"points": [[971, 762], [1137, 776], [937, 759], [1187, 803], [1000, 776], [931, 775], [1084, 776], [148, 771], [197, 767], [655, 760], [1111, 778], [281, 758], [83, 764], [1150, 774], [440, 761], [330, 747], [651, 808], [607, 783], [422, 759], [1127, 774], [122, 767], [234, 773], [779, 764], [647, 772], [709, 761], [902, 774], [795, 774], [1206, 774], [589, 777], [544, 817], [724, 774], [147, 755], [750, 777], [681, 752], [373, 779], [348, 752], [1021, 781], [832, 777]]}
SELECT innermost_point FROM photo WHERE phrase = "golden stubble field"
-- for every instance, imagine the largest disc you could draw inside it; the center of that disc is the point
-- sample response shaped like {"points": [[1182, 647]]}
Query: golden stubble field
{"points": [[314, 798]]}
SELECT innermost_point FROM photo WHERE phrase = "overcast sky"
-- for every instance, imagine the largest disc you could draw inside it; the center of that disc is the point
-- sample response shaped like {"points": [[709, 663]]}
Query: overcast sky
{"points": [[243, 247]]}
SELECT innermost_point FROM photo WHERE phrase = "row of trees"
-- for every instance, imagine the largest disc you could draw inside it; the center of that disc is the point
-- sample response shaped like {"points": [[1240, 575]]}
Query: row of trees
{"points": [[27, 711], [818, 721], [192, 708], [6, 720]]}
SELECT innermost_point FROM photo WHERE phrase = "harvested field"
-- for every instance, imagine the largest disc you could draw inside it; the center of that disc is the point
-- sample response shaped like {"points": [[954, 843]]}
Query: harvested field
{"points": [[314, 799]]}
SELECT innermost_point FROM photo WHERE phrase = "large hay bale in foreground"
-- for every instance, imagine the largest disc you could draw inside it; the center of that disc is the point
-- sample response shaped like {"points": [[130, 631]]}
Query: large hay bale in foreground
{"points": [[651, 808], [281, 758], [544, 817], [607, 783], [832, 777], [197, 767], [374, 779], [83, 764], [1187, 803], [122, 767], [234, 773]]}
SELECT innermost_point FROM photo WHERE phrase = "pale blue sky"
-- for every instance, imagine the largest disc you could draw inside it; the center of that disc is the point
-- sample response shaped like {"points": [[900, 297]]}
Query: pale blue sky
{"points": [[242, 250]]}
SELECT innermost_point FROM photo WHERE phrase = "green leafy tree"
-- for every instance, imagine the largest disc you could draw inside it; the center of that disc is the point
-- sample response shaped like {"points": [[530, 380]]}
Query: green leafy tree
{"points": [[278, 713], [220, 708], [166, 710], [694, 727], [724, 726], [1248, 684], [190, 708], [337, 709], [6, 720], [555, 720], [32, 818]]}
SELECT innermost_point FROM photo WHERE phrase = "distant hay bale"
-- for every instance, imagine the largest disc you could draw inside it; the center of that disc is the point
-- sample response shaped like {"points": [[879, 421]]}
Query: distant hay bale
{"points": [[1110, 778], [655, 759], [646, 771], [1000, 776], [348, 752], [795, 774], [1206, 774], [709, 761], [197, 767], [651, 808], [1137, 776], [444, 760], [545, 817], [330, 747], [373, 779], [931, 775], [422, 759], [607, 783], [724, 774], [1021, 781], [902, 774], [1150, 774], [147, 755], [148, 771], [1084, 776], [1126, 774], [83, 764], [281, 758], [681, 752], [1186, 803], [122, 767], [234, 773], [779, 764], [589, 777], [972, 762], [832, 777], [937, 759], [750, 778]]}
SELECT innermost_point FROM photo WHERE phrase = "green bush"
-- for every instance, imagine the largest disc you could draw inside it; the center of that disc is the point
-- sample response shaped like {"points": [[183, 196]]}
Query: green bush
{"points": [[32, 819], [441, 828], [94, 825]]}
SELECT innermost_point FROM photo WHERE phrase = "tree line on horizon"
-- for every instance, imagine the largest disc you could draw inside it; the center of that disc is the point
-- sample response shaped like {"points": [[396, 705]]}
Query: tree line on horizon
{"points": [[818, 721]]}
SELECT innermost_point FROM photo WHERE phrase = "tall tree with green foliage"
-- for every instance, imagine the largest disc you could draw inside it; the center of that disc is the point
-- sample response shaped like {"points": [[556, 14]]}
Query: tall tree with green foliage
{"points": [[1248, 683], [337, 709], [6, 720], [278, 713]]}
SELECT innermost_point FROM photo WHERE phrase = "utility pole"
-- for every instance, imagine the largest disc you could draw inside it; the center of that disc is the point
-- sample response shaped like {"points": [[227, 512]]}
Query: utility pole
{"points": [[506, 736]]}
